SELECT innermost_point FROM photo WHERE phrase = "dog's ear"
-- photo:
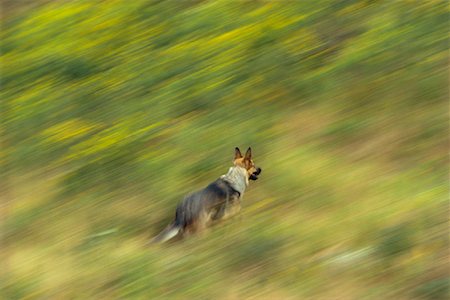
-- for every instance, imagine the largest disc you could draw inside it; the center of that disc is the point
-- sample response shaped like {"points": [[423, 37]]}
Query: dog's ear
{"points": [[237, 153], [248, 154]]}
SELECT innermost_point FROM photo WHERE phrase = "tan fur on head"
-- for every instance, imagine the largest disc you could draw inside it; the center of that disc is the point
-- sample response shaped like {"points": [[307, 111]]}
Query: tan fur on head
{"points": [[245, 162]]}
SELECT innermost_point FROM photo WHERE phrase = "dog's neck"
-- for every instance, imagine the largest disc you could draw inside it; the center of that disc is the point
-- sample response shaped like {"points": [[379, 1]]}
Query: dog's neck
{"points": [[238, 178]]}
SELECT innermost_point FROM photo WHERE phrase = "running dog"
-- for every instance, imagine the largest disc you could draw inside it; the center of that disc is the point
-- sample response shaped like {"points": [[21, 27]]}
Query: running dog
{"points": [[220, 200]]}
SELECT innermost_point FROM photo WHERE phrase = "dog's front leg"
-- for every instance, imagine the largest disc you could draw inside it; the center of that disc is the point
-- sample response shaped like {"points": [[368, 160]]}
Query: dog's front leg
{"points": [[220, 209], [233, 208]]}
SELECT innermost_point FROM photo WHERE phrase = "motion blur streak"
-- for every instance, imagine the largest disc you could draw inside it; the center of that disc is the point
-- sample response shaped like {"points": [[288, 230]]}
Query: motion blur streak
{"points": [[112, 111]]}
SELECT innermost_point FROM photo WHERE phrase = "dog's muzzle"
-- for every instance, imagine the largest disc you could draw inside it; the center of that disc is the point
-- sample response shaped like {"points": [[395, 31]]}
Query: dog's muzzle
{"points": [[255, 174]]}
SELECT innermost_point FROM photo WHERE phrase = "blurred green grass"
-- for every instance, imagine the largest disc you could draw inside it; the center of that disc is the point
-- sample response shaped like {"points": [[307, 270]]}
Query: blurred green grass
{"points": [[112, 111]]}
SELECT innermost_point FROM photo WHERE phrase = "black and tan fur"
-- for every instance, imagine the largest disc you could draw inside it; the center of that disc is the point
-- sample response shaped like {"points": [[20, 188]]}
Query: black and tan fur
{"points": [[218, 201]]}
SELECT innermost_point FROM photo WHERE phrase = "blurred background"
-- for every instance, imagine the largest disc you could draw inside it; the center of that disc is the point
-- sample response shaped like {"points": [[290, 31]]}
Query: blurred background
{"points": [[113, 110]]}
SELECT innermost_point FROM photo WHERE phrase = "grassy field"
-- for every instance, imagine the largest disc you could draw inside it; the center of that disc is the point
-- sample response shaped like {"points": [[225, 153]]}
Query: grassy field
{"points": [[114, 111]]}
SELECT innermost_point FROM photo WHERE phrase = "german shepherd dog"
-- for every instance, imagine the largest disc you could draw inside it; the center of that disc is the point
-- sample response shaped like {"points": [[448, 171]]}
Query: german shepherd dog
{"points": [[220, 200]]}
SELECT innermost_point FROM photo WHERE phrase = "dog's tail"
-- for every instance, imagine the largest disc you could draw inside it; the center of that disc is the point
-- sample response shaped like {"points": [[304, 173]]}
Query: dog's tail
{"points": [[169, 232]]}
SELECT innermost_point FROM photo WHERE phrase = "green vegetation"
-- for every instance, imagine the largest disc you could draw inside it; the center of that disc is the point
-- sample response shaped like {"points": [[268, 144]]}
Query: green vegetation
{"points": [[113, 110]]}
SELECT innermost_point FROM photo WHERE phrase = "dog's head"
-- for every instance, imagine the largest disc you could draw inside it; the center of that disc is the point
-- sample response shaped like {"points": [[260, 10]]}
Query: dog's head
{"points": [[247, 163]]}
